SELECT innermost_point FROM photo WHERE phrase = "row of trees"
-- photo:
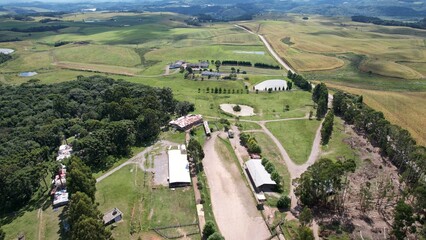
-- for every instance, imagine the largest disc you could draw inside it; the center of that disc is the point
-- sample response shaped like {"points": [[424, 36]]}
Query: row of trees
{"points": [[219, 90], [4, 57], [299, 81], [396, 144], [264, 65], [236, 63], [275, 175], [84, 219], [107, 117], [38, 28], [320, 97], [250, 143]]}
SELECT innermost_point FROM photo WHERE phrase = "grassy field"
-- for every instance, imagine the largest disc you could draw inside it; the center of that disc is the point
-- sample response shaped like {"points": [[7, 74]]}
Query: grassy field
{"points": [[312, 45], [296, 136], [271, 152], [38, 220], [336, 149], [385, 64], [144, 207]]}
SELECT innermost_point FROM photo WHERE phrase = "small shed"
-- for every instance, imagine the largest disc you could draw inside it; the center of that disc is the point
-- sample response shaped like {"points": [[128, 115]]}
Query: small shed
{"points": [[207, 128], [259, 177], [112, 216]]}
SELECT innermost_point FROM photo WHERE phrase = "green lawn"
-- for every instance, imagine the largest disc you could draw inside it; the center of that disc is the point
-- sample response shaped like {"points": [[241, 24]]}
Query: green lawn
{"points": [[243, 126], [271, 152], [135, 150], [337, 148], [143, 206], [296, 136]]}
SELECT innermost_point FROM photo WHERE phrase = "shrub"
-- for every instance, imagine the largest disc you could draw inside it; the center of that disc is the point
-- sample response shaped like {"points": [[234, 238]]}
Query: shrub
{"points": [[269, 167], [264, 161], [236, 108], [284, 202], [209, 229]]}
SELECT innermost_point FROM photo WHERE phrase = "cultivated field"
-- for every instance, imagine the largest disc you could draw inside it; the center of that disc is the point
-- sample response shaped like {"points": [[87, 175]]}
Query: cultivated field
{"points": [[385, 64]]}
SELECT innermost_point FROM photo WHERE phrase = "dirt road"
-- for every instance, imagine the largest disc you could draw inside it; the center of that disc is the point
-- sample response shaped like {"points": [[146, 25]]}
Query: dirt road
{"points": [[270, 49], [138, 159], [233, 205]]}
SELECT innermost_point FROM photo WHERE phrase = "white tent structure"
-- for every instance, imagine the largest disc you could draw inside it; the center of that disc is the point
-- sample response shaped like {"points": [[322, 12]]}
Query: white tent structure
{"points": [[178, 167], [260, 177], [273, 84]]}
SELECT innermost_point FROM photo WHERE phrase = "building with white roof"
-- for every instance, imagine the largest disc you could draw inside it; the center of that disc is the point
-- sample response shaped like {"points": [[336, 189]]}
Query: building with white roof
{"points": [[178, 167], [64, 152], [260, 178], [186, 122]]}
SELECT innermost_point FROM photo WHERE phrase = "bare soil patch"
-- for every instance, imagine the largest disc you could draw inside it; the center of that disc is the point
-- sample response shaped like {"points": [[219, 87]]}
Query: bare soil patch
{"points": [[245, 110], [379, 178]]}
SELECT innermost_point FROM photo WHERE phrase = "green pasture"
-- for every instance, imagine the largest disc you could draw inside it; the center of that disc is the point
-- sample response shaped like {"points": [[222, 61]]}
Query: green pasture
{"points": [[296, 136], [143, 207]]}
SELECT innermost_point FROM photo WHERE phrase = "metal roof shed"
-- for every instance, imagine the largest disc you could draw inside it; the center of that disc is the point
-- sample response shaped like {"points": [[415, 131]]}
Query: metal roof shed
{"points": [[258, 173], [178, 167]]}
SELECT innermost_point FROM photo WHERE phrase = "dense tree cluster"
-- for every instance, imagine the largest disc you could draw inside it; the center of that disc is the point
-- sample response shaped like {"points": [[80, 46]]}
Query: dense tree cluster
{"points": [[378, 21], [396, 144], [107, 117], [322, 180], [299, 81], [320, 97], [4, 57], [327, 128], [84, 219], [38, 28], [250, 143]]}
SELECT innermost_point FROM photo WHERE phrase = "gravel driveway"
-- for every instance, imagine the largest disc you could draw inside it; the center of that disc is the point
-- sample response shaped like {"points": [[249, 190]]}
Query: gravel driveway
{"points": [[233, 205]]}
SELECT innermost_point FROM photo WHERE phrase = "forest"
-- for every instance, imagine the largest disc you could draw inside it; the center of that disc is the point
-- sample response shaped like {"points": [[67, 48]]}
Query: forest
{"points": [[375, 20], [105, 117]]}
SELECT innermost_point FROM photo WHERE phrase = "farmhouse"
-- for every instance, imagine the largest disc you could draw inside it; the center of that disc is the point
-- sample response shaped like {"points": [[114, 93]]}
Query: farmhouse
{"points": [[178, 167], [64, 152], [186, 122], [112, 216], [259, 177], [59, 191], [176, 64]]}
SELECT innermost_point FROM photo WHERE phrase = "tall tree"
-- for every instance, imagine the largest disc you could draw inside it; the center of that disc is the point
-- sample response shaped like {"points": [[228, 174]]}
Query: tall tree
{"points": [[327, 128], [195, 151], [80, 178], [85, 220], [209, 229], [403, 220]]}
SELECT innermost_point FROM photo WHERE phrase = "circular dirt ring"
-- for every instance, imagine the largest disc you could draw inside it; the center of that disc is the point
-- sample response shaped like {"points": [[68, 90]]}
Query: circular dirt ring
{"points": [[245, 110]]}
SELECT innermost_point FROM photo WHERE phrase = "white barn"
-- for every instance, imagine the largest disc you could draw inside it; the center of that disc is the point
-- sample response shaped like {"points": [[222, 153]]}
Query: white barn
{"points": [[259, 176], [178, 167]]}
